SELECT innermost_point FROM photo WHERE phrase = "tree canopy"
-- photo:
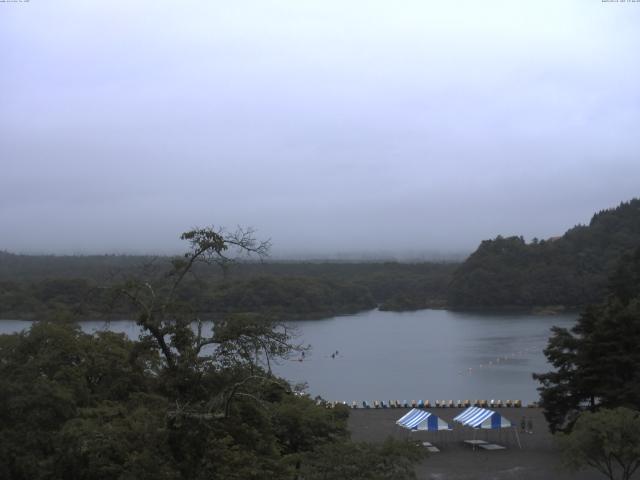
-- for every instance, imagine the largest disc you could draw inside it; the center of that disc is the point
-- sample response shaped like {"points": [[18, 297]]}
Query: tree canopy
{"points": [[188, 400], [35, 286], [571, 270], [596, 362], [608, 440]]}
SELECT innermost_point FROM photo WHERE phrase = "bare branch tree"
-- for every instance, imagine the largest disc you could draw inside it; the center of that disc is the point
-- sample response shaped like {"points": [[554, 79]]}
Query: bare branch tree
{"points": [[247, 343]]}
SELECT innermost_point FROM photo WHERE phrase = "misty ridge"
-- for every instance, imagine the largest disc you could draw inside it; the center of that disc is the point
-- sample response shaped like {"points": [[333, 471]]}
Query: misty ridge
{"points": [[338, 131], [556, 274], [345, 256]]}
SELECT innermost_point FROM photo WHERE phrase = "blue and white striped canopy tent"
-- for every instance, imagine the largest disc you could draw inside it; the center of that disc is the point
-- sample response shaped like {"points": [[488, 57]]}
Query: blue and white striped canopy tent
{"points": [[477, 417], [422, 420]]}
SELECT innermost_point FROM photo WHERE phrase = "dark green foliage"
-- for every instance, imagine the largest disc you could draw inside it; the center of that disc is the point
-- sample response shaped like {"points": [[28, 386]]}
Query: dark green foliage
{"points": [[288, 296], [184, 402], [608, 440], [117, 440], [597, 361], [569, 271], [75, 287], [100, 406], [302, 426], [47, 378], [393, 460]]}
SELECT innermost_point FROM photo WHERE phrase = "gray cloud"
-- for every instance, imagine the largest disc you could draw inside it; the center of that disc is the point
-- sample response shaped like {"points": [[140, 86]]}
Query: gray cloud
{"points": [[329, 126]]}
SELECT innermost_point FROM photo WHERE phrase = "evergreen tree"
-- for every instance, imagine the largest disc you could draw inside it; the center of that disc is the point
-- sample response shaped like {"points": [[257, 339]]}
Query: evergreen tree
{"points": [[571, 270], [597, 362]]}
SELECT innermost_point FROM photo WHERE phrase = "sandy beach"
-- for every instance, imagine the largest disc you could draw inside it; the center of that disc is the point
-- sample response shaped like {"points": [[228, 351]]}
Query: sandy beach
{"points": [[538, 458]]}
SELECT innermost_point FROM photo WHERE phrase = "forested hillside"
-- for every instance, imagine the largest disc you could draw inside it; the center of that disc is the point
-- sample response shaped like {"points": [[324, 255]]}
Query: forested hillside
{"points": [[570, 271], [165, 407], [79, 286]]}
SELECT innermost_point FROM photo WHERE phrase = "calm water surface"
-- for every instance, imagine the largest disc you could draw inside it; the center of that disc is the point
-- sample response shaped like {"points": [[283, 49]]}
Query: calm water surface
{"points": [[428, 354]]}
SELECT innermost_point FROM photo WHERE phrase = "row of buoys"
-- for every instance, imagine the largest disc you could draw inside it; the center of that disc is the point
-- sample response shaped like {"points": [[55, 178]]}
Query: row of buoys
{"points": [[428, 404], [497, 361], [332, 355], [469, 370]]}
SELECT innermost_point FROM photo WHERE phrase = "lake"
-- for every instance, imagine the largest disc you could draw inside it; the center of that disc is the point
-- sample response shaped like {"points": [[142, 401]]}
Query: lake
{"points": [[427, 354]]}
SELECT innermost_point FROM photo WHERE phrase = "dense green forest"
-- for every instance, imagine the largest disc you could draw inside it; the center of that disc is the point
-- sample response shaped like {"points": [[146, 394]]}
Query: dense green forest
{"points": [[79, 286], [569, 271], [101, 406], [80, 406], [596, 362], [591, 396]]}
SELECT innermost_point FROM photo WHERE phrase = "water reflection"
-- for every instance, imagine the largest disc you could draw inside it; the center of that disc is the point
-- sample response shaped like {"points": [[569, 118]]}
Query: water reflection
{"points": [[428, 354]]}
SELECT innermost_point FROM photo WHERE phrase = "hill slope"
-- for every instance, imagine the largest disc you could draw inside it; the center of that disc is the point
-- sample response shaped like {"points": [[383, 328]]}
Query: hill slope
{"points": [[39, 286], [570, 271]]}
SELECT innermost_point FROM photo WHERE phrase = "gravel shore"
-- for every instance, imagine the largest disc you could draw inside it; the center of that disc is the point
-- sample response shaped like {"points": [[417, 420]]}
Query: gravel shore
{"points": [[538, 458]]}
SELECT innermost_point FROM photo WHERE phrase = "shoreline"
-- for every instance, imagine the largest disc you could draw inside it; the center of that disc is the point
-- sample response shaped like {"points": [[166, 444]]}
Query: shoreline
{"points": [[542, 311]]}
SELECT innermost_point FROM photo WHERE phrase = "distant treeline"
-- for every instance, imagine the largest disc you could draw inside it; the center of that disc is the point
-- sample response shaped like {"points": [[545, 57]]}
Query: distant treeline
{"points": [[569, 271], [83, 286]]}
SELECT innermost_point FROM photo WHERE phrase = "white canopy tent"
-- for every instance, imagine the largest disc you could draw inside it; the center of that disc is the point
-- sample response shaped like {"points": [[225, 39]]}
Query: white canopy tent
{"points": [[483, 418], [477, 417], [422, 420]]}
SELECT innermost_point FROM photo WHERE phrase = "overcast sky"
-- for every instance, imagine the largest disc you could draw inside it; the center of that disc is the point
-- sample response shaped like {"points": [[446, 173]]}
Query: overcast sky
{"points": [[330, 126]]}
